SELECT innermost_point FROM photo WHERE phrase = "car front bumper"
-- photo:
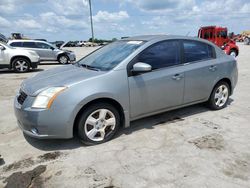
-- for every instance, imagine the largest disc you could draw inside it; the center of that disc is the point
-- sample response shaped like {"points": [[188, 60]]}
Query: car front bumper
{"points": [[34, 65], [72, 57], [41, 123]]}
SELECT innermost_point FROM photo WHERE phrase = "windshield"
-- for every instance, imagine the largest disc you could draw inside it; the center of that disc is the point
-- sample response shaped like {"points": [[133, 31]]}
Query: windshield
{"points": [[107, 57]]}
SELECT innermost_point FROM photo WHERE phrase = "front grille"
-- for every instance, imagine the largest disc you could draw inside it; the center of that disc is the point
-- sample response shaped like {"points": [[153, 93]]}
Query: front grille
{"points": [[21, 98]]}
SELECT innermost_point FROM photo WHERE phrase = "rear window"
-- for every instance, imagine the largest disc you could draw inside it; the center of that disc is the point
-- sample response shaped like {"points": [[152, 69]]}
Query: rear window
{"points": [[29, 44], [16, 44], [197, 51]]}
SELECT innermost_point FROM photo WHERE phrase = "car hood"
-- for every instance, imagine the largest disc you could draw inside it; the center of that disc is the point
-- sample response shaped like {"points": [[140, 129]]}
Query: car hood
{"points": [[61, 76]]}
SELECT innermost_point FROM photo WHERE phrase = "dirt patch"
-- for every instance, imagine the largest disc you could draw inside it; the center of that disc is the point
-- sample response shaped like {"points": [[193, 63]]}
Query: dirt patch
{"points": [[19, 164], [49, 156], [237, 169], [212, 141], [209, 124], [98, 180], [30, 161], [25, 180]]}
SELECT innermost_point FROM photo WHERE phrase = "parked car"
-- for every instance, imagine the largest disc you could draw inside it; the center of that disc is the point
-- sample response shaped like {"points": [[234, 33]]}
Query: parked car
{"points": [[45, 50], [17, 59], [124, 81]]}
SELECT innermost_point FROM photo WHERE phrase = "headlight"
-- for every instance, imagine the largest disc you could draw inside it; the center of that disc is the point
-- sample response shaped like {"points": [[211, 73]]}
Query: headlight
{"points": [[46, 97]]}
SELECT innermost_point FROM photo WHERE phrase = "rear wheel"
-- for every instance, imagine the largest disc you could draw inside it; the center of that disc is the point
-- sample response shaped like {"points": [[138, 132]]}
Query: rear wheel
{"points": [[63, 59], [21, 65], [219, 96], [98, 123]]}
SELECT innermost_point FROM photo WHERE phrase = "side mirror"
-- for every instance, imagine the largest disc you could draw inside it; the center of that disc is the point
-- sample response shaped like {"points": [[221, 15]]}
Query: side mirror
{"points": [[2, 48], [52, 48], [141, 68]]}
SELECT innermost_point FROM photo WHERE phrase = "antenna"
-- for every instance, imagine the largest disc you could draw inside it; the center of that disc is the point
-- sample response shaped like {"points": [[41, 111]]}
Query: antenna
{"points": [[188, 33]]}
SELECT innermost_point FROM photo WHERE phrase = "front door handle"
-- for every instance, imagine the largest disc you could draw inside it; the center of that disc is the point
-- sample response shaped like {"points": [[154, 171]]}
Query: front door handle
{"points": [[213, 68], [177, 77]]}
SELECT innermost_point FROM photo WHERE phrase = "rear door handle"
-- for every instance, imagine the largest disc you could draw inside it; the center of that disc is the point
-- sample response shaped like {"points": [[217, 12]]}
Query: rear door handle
{"points": [[177, 77], [213, 68]]}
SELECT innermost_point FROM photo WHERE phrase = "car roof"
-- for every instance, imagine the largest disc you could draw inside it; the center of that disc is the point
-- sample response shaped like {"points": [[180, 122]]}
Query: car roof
{"points": [[149, 38], [10, 41]]}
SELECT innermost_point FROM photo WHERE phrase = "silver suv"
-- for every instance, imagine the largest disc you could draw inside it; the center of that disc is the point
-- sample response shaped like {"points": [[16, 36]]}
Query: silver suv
{"points": [[18, 59], [45, 50]]}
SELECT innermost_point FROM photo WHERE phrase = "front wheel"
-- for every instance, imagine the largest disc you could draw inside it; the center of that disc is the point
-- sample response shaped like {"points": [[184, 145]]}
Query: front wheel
{"points": [[98, 123], [63, 59], [233, 53], [21, 65], [219, 96]]}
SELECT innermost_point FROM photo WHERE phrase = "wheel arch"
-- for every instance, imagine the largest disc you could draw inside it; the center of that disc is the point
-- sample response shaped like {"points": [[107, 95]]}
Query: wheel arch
{"points": [[100, 100], [60, 54], [18, 56]]}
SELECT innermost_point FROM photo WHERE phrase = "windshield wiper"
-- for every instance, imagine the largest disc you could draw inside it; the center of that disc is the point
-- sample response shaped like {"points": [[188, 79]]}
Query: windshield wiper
{"points": [[90, 67]]}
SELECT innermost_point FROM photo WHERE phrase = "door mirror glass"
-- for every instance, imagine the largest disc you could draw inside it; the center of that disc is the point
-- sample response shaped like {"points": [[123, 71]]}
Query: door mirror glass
{"points": [[141, 67], [2, 48]]}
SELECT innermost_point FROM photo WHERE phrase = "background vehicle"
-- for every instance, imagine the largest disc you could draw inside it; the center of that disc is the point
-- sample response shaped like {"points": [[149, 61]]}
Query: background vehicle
{"points": [[246, 37], [3, 38], [124, 81], [45, 50], [17, 59], [219, 36]]}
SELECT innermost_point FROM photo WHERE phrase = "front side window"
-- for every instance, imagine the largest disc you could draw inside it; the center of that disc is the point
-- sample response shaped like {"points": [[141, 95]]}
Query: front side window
{"points": [[29, 45], [162, 54], [197, 51], [109, 56], [43, 45]]}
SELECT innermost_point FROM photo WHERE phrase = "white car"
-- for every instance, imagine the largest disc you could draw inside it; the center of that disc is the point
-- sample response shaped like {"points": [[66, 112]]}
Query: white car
{"points": [[18, 59]]}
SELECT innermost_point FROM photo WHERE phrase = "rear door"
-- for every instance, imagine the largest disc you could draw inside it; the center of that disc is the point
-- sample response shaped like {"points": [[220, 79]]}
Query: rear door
{"points": [[200, 70], [161, 88]]}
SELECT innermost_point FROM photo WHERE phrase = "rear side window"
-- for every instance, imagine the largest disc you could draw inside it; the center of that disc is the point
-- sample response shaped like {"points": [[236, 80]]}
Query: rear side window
{"points": [[29, 45], [16, 44], [197, 51], [162, 54]]}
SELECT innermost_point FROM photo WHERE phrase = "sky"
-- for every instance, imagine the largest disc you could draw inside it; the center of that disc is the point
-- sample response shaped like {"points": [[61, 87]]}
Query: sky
{"points": [[69, 19]]}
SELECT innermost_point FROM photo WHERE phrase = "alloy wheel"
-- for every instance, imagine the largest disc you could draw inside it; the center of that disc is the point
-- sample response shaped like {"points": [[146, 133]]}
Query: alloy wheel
{"points": [[221, 95], [21, 65], [63, 60], [99, 124]]}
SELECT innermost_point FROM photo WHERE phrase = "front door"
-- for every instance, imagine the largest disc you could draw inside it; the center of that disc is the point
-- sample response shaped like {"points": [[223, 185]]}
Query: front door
{"points": [[163, 87]]}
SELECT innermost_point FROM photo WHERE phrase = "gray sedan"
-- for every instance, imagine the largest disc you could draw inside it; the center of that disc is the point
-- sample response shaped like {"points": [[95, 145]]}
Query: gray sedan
{"points": [[124, 81]]}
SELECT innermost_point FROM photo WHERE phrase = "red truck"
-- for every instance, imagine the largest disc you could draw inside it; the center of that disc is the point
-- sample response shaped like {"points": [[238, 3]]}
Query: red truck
{"points": [[219, 36]]}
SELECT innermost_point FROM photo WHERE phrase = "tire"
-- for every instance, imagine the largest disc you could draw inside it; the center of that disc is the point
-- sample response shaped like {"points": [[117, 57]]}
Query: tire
{"points": [[21, 65], [63, 59], [233, 53], [93, 129], [219, 97]]}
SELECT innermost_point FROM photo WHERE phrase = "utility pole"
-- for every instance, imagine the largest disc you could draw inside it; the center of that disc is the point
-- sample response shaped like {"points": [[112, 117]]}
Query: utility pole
{"points": [[91, 21]]}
